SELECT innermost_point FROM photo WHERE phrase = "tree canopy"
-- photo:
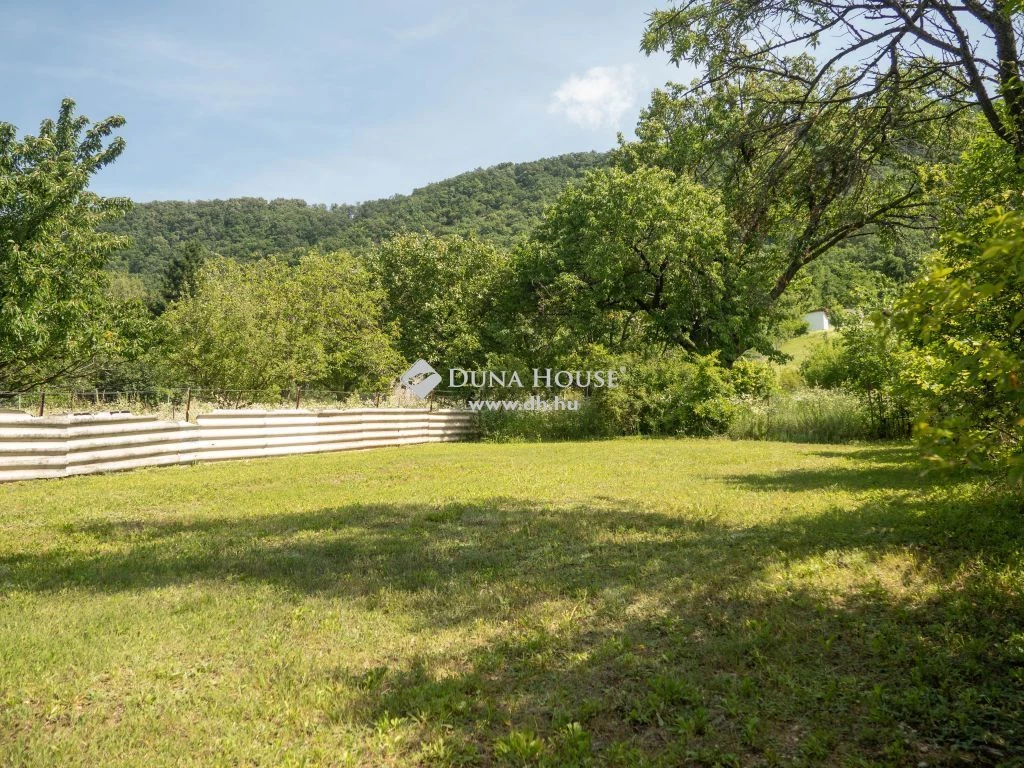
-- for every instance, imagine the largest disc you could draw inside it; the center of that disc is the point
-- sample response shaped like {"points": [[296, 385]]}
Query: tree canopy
{"points": [[437, 294], [497, 204], [251, 329], [965, 53], [626, 258], [53, 318]]}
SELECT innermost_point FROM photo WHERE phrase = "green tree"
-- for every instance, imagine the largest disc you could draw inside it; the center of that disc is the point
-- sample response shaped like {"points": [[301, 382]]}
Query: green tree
{"points": [[180, 276], [796, 179], [873, 364], [966, 318], [127, 365], [629, 260], [438, 292], [254, 330], [965, 53], [342, 312], [54, 316]]}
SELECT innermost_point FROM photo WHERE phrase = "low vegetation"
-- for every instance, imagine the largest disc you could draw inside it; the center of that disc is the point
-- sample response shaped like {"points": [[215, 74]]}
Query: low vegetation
{"points": [[806, 415], [713, 603]]}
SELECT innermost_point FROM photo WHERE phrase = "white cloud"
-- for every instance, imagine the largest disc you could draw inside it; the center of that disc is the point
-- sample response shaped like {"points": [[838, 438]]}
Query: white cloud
{"points": [[596, 99]]}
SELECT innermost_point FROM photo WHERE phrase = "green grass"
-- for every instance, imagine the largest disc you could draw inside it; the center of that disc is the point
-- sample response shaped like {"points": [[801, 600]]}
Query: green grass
{"points": [[627, 602], [800, 347]]}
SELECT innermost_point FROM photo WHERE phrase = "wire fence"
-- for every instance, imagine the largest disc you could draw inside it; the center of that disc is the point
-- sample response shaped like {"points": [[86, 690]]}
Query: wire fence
{"points": [[185, 403]]}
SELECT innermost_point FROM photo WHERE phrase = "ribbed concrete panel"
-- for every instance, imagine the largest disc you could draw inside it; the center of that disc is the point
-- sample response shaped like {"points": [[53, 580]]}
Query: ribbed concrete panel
{"points": [[61, 446]]}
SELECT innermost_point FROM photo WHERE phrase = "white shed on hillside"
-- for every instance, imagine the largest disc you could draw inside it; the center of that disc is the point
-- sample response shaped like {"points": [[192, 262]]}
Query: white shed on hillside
{"points": [[817, 320]]}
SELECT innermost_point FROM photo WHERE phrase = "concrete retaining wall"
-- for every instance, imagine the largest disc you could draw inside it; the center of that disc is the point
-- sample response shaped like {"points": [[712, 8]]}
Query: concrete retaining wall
{"points": [[60, 446]]}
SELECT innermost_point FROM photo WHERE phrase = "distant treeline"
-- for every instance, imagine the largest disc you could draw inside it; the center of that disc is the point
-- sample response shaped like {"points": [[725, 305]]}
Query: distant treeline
{"points": [[495, 203]]}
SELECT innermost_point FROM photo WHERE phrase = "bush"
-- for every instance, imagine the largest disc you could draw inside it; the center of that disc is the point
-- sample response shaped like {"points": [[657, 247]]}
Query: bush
{"points": [[753, 378], [690, 395], [869, 363], [824, 366], [966, 321], [676, 394], [964, 318]]}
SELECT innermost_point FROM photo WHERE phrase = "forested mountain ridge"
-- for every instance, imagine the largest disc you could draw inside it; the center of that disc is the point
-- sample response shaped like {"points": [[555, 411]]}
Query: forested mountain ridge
{"points": [[497, 203]]}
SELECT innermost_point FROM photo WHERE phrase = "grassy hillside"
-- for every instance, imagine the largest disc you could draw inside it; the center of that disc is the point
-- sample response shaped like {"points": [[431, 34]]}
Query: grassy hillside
{"points": [[633, 603], [800, 347], [497, 203]]}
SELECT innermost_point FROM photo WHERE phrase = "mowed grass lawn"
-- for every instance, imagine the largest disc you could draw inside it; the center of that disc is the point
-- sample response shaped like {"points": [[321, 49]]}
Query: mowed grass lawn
{"points": [[629, 602]]}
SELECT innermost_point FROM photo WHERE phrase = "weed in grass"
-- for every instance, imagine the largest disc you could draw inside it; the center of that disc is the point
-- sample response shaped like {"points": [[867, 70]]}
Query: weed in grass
{"points": [[520, 748], [444, 752], [570, 746]]}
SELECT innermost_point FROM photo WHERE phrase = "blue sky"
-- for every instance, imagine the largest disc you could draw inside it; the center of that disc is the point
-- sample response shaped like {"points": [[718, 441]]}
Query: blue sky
{"points": [[333, 101]]}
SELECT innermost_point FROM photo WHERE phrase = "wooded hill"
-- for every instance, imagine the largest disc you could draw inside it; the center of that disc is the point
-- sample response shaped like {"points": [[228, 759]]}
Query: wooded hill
{"points": [[497, 203]]}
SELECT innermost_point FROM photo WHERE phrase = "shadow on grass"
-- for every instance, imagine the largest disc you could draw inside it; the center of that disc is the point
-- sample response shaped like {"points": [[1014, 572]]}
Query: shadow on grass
{"points": [[903, 454], [890, 468], [687, 639], [362, 550], [780, 680]]}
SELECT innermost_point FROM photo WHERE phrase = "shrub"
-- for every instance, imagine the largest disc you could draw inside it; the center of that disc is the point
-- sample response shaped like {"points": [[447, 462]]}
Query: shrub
{"points": [[966, 320], [874, 365], [869, 363], [754, 378], [691, 395], [965, 317], [823, 367], [675, 394]]}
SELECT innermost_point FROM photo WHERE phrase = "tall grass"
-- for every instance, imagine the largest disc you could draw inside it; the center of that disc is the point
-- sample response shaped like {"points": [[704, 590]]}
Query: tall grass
{"points": [[799, 416], [802, 416], [587, 423]]}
